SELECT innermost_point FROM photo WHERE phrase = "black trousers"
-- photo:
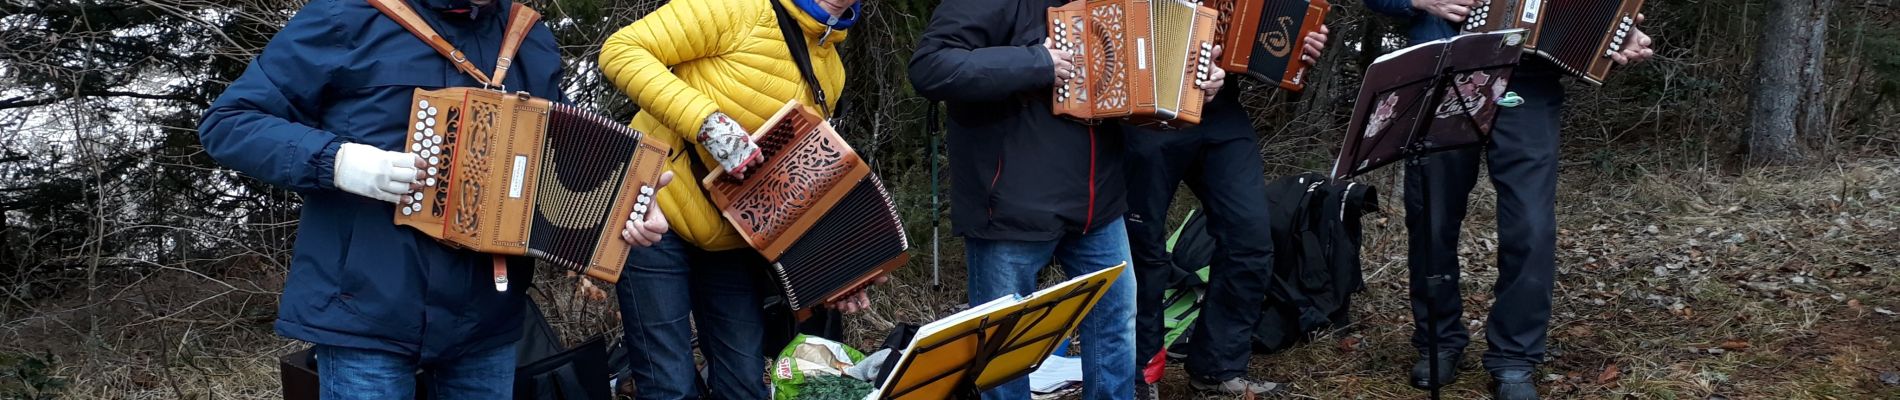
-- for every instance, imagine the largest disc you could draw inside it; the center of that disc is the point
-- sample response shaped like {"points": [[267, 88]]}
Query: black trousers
{"points": [[1523, 165], [1220, 161]]}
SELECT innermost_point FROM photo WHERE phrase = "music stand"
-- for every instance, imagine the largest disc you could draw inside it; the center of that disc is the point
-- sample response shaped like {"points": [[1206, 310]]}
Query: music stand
{"points": [[976, 354], [1409, 89]]}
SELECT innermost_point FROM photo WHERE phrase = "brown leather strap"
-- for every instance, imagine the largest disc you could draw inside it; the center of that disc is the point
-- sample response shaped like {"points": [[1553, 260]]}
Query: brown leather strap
{"points": [[521, 19]]}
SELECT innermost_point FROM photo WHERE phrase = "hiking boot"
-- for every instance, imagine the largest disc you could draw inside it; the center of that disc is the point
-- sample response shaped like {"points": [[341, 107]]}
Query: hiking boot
{"points": [[1239, 386], [1448, 361], [1145, 391], [1514, 384]]}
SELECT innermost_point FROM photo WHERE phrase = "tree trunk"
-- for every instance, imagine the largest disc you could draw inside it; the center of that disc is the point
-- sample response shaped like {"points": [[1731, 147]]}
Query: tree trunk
{"points": [[1788, 102]]}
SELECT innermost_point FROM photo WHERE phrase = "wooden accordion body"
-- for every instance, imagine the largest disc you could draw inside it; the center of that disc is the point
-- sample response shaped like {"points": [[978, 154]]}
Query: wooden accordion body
{"points": [[1143, 60], [516, 175], [814, 209], [1262, 38], [1576, 35]]}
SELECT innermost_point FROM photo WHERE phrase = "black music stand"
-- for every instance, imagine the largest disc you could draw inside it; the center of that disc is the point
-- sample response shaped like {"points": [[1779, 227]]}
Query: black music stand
{"points": [[1454, 65], [999, 347]]}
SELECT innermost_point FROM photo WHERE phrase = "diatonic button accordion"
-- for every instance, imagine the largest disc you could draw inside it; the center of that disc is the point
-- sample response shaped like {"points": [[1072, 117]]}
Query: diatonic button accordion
{"points": [[1143, 60], [813, 209], [1579, 36], [1263, 38], [511, 174]]}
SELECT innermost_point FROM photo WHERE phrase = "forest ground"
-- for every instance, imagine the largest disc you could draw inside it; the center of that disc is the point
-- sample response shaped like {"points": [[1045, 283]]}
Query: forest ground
{"points": [[1677, 280]]}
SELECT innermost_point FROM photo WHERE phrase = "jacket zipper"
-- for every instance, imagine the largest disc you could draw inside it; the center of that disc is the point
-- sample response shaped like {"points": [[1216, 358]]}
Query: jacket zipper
{"points": [[1089, 219]]}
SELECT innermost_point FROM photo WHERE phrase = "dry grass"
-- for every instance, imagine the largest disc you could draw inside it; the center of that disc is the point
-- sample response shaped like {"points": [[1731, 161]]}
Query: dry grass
{"points": [[1689, 282]]}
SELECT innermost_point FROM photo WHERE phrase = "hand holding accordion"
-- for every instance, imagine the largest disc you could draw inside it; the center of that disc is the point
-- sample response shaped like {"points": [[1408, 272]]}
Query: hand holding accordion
{"points": [[509, 174], [1585, 39], [813, 209]]}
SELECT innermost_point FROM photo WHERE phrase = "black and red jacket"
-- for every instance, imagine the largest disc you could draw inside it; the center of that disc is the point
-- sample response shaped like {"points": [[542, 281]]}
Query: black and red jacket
{"points": [[1017, 172]]}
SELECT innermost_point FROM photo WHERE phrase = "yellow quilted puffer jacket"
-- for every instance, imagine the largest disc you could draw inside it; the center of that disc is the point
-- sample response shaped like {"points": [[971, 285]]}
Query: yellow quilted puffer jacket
{"points": [[690, 58]]}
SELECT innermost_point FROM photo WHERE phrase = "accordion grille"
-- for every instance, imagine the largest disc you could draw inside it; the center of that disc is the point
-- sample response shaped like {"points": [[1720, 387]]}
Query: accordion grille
{"points": [[584, 170], [859, 235], [1173, 23], [1572, 30]]}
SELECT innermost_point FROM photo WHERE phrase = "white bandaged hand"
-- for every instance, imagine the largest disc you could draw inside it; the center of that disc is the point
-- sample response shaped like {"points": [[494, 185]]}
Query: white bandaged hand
{"points": [[730, 145], [375, 173]]}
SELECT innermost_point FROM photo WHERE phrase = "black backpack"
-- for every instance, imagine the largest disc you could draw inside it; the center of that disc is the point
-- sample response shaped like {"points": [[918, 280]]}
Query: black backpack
{"points": [[1317, 237]]}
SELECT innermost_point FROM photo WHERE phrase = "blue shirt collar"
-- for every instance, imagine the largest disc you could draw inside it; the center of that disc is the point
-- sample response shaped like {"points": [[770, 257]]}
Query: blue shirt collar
{"points": [[817, 12]]}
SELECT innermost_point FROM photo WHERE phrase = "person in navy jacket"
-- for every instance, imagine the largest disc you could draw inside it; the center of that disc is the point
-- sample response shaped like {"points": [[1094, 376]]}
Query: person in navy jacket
{"points": [[1522, 158], [322, 111]]}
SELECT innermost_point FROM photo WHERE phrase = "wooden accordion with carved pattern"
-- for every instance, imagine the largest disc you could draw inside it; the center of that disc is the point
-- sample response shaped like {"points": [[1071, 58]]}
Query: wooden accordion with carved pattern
{"points": [[1262, 38], [1143, 60], [511, 174], [1576, 35], [813, 209]]}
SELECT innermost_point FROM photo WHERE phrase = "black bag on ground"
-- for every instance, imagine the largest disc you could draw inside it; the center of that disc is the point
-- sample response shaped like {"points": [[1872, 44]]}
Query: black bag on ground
{"points": [[1317, 237]]}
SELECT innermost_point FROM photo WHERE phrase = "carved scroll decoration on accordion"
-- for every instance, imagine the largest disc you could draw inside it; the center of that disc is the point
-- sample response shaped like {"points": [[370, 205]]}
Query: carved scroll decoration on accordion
{"points": [[1578, 36], [814, 209], [1142, 60], [515, 175]]}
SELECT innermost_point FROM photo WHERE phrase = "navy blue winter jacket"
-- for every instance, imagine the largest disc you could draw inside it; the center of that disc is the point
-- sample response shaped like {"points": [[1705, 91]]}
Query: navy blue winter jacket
{"points": [[1425, 26], [341, 72]]}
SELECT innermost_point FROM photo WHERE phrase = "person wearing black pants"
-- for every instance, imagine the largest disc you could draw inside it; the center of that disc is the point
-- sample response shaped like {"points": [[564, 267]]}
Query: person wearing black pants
{"points": [[1523, 166], [1220, 161], [1522, 156]]}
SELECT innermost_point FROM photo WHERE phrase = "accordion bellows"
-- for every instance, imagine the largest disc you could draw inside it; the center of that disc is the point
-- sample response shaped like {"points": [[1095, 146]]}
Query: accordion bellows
{"points": [[813, 209], [1143, 60], [516, 175], [1576, 35]]}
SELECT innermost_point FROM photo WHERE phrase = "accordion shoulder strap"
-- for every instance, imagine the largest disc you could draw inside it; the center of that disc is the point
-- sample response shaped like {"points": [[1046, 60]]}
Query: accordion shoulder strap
{"points": [[795, 43], [521, 19]]}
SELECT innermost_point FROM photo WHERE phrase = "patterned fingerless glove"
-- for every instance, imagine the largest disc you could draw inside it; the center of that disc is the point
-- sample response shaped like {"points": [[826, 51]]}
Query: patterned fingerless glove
{"points": [[728, 143]]}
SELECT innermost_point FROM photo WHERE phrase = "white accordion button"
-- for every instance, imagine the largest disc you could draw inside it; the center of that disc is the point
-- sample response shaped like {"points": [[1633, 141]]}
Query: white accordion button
{"points": [[431, 111], [406, 211], [422, 114], [434, 160], [646, 190], [416, 137], [429, 122], [436, 149], [417, 196], [429, 131], [419, 125], [433, 171], [415, 147], [430, 181], [428, 142], [422, 104]]}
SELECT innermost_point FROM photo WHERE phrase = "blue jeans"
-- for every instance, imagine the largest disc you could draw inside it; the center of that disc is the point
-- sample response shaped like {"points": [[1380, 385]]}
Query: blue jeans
{"points": [[1000, 268], [347, 373], [665, 284]]}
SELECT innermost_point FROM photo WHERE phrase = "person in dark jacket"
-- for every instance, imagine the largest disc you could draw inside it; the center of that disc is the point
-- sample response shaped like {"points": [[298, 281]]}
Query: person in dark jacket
{"points": [[1220, 161], [1027, 186], [1522, 156], [322, 111]]}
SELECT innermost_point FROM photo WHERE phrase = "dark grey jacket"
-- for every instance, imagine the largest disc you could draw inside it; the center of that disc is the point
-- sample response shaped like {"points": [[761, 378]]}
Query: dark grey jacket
{"points": [[1017, 172]]}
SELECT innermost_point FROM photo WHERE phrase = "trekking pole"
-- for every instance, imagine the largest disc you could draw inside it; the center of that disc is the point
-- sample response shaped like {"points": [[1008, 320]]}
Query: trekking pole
{"points": [[935, 203]]}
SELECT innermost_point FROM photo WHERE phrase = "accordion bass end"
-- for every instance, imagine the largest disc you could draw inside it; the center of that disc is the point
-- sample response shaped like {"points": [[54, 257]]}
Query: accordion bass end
{"points": [[1263, 38], [515, 175], [813, 209], [1576, 36], [1143, 60]]}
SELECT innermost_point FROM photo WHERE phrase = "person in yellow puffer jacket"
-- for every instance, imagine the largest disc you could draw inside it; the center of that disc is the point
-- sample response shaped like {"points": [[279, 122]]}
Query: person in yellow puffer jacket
{"points": [[705, 73]]}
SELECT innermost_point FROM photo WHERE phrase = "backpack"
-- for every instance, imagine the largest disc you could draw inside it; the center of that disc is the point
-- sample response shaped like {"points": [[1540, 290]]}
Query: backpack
{"points": [[1317, 236]]}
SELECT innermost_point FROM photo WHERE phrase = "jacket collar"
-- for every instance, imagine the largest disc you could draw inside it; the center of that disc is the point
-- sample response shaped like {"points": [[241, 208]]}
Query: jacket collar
{"points": [[813, 27], [464, 9]]}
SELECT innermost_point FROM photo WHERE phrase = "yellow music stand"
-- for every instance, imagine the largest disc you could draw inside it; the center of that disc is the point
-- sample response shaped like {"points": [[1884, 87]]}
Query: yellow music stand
{"points": [[988, 345]]}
